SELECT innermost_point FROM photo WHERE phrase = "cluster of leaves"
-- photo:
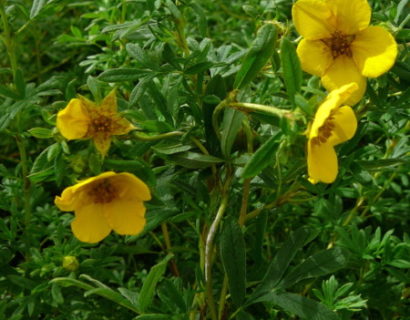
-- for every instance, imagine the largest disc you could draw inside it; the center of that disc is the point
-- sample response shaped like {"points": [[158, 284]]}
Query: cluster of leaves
{"points": [[337, 251]]}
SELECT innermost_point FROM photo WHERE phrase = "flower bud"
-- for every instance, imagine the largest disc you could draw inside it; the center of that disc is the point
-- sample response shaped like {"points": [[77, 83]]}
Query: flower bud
{"points": [[70, 263]]}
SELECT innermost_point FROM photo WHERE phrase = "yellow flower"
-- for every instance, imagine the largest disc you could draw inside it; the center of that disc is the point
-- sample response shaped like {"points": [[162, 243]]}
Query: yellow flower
{"points": [[109, 201], [83, 119], [332, 125], [339, 45]]}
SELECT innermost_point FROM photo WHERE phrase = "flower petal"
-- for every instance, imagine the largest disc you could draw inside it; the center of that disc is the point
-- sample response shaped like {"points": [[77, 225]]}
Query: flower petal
{"points": [[350, 16], [333, 100], [322, 163], [76, 195], [311, 19], [73, 120], [121, 126], [88, 104], [102, 143], [131, 187], [341, 72], [315, 56], [66, 202], [345, 125], [78, 187], [90, 225], [125, 217], [374, 51], [109, 102]]}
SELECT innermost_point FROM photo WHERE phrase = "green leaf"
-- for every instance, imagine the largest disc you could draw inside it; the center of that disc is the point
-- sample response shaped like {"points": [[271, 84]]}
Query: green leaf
{"points": [[95, 88], [102, 290], [10, 112], [157, 216], [69, 282], [171, 293], [230, 127], [403, 35], [173, 9], [292, 72], [8, 93], [212, 99], [22, 282], [56, 294], [41, 133], [53, 151], [195, 160], [303, 307], [263, 157], [20, 83], [216, 87], [131, 296], [59, 167], [139, 90], [381, 164], [282, 259], [304, 104], [122, 74], [111, 295], [402, 70], [198, 68], [137, 167], [261, 50], [36, 8], [160, 101], [42, 168], [234, 260], [136, 52], [242, 315], [400, 263], [400, 8], [319, 264], [154, 316], [148, 287], [166, 148]]}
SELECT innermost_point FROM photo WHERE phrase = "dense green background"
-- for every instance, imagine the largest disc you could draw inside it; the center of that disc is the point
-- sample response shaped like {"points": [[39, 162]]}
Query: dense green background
{"points": [[173, 62]]}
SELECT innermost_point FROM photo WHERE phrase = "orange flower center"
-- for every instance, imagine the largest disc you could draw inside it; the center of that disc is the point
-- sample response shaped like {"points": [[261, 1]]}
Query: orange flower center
{"points": [[339, 44], [103, 192], [325, 131], [102, 123]]}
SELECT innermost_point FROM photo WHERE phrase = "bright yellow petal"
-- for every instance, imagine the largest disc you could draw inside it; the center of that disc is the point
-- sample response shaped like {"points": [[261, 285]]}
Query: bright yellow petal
{"points": [[76, 195], [322, 163], [90, 224], [66, 202], [102, 143], [344, 71], [315, 56], [109, 103], [333, 100], [88, 104], [121, 126], [350, 16], [374, 51], [73, 120], [345, 125], [311, 19], [86, 182], [125, 217], [131, 187]]}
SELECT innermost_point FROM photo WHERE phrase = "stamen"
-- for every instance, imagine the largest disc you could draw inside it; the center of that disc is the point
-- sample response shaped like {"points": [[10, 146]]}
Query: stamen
{"points": [[325, 131], [102, 123], [103, 192], [339, 44]]}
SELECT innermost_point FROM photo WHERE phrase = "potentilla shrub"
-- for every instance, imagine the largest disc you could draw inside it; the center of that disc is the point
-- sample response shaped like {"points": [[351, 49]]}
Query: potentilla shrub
{"points": [[193, 160]]}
